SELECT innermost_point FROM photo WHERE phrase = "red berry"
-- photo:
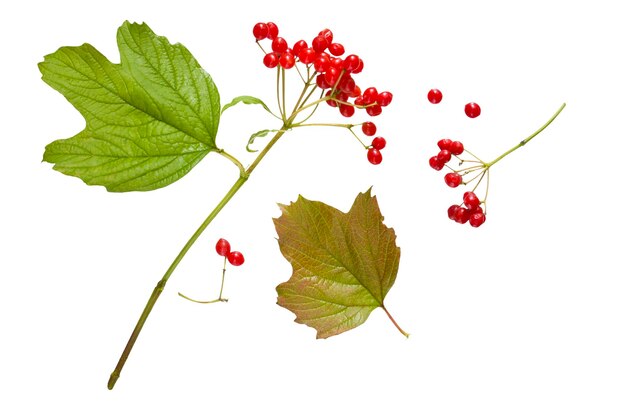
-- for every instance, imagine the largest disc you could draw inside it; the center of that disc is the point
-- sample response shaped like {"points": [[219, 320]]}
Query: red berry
{"points": [[368, 128], [346, 110], [435, 163], [452, 211], [351, 63], [477, 218], [321, 63], [287, 60], [260, 31], [222, 247], [461, 215], [359, 68], [470, 200], [384, 98], [444, 144], [444, 156], [331, 75], [279, 45], [374, 110], [299, 46], [326, 33], [347, 84], [336, 49], [456, 148], [307, 56], [435, 96], [319, 43], [272, 30], [331, 102], [379, 143], [321, 82], [453, 179], [235, 258], [370, 95], [472, 110], [271, 60], [374, 156]]}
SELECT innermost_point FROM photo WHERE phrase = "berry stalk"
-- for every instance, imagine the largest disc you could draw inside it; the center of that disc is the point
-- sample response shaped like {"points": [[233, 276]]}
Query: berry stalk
{"points": [[528, 139]]}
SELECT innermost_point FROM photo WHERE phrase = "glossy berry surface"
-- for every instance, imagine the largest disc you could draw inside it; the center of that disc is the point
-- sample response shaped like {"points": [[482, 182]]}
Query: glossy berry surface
{"points": [[436, 164], [222, 247], [456, 148], [368, 128], [470, 200], [453, 179], [374, 156], [477, 218], [472, 110], [379, 143], [235, 258], [435, 96], [260, 31]]}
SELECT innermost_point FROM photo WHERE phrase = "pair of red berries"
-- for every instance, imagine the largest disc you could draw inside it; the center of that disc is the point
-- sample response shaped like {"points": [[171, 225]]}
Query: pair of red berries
{"points": [[374, 156], [472, 212], [222, 247], [472, 110]]}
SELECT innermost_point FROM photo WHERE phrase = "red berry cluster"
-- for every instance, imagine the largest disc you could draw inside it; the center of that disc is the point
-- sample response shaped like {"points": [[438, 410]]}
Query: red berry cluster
{"points": [[472, 212], [374, 156], [333, 72], [222, 247]]}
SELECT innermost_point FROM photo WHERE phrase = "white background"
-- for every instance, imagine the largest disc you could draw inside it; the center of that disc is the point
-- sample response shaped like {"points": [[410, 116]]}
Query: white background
{"points": [[525, 316]]}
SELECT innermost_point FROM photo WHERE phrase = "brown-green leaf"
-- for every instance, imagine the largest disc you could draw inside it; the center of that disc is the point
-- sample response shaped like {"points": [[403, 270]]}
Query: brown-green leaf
{"points": [[344, 264]]}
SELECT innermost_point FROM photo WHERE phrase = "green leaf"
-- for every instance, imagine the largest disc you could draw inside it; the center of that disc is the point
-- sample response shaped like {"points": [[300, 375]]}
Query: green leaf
{"points": [[246, 100], [149, 119], [343, 263]]}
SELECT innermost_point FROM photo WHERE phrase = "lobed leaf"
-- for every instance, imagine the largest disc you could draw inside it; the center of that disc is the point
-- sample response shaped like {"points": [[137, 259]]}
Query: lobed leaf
{"points": [[344, 264], [149, 119]]}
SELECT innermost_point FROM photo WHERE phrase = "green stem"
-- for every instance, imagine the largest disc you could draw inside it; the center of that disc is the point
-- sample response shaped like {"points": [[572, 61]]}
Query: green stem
{"points": [[158, 289], [525, 141], [223, 275]]}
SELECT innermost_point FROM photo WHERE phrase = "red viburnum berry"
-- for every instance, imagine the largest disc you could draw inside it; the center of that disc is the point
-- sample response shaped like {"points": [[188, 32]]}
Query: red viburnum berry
{"points": [[346, 110], [370, 95], [319, 43], [222, 247], [347, 84], [477, 218], [379, 143], [456, 148], [350, 63], [336, 49], [368, 128], [235, 258], [435, 163], [444, 144], [472, 110], [452, 211], [271, 60], [453, 179], [374, 110], [444, 156], [435, 96], [287, 60], [374, 156], [331, 76], [260, 31], [321, 63], [279, 45], [461, 215], [272, 30], [327, 34], [470, 200], [307, 56], [359, 68], [384, 98], [299, 46], [321, 82], [331, 102]]}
